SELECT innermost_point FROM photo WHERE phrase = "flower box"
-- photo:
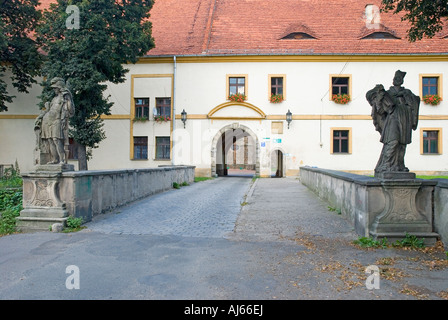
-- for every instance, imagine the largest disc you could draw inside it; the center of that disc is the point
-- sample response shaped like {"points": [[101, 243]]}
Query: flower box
{"points": [[341, 98], [140, 119], [432, 99], [162, 118], [276, 98], [237, 97]]}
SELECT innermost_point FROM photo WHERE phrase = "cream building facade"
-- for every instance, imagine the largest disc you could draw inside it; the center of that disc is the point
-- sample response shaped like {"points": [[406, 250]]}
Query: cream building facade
{"points": [[220, 136], [201, 88]]}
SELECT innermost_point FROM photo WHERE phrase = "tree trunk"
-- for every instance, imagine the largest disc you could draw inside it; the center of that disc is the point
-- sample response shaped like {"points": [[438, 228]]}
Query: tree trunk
{"points": [[82, 158]]}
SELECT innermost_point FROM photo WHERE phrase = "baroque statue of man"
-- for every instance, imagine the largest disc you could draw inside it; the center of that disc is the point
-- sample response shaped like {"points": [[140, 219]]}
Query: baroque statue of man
{"points": [[395, 114], [51, 126]]}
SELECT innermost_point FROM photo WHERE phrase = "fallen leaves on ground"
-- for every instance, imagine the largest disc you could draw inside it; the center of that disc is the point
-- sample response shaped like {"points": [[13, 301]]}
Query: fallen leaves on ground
{"points": [[411, 291], [344, 275], [443, 295]]}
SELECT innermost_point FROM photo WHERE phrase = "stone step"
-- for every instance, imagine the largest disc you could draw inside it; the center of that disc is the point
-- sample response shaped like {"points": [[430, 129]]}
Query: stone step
{"points": [[429, 238], [41, 212], [35, 224]]}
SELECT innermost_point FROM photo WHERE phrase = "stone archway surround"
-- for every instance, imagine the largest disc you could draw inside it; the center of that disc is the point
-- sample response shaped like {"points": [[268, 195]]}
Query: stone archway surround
{"points": [[230, 127]]}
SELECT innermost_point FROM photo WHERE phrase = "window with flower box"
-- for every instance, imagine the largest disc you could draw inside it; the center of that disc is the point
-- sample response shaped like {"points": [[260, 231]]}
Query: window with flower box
{"points": [[141, 108], [277, 88], [163, 106], [339, 85], [430, 85], [236, 87], [340, 88], [431, 88]]}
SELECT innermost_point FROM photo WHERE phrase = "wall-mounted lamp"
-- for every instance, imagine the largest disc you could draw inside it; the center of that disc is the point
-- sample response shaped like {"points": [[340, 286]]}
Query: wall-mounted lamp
{"points": [[183, 115], [288, 117]]}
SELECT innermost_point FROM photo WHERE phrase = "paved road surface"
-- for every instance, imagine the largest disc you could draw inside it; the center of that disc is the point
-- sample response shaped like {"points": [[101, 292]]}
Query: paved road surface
{"points": [[206, 209], [285, 244]]}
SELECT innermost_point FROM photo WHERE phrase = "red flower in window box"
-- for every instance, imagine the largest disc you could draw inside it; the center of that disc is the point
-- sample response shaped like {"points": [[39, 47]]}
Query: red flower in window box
{"points": [[341, 98], [276, 98], [432, 99], [237, 97], [162, 118]]}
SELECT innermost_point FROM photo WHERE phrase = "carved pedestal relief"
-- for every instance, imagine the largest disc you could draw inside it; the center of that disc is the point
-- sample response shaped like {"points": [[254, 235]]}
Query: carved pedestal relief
{"points": [[42, 206], [401, 213], [401, 203], [45, 194]]}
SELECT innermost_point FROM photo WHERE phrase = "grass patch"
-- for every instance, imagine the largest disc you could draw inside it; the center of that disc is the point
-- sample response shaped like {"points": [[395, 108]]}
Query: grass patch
{"points": [[424, 177], [432, 177], [367, 242], [409, 241], [179, 185], [73, 224], [336, 210], [199, 179]]}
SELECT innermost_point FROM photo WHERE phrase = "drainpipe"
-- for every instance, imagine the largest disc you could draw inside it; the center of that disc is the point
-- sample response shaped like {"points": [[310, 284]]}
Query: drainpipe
{"points": [[174, 110]]}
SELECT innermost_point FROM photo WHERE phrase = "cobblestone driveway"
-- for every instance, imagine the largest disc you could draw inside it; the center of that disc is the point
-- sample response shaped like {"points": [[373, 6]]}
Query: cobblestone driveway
{"points": [[203, 209]]}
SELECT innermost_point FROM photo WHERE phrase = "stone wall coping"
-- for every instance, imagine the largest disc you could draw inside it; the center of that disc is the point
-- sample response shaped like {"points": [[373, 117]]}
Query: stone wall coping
{"points": [[371, 181], [442, 183], [350, 177], [54, 192], [112, 171]]}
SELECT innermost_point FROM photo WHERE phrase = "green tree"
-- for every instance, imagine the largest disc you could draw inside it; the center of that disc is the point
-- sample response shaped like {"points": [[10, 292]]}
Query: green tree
{"points": [[426, 17], [18, 50], [109, 34]]}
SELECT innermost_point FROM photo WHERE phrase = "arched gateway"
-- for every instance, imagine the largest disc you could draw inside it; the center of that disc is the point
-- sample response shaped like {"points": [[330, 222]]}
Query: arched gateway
{"points": [[225, 139]]}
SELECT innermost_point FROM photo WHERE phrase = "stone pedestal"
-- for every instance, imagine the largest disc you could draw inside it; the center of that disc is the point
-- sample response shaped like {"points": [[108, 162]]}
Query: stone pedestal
{"points": [[382, 208], [408, 209], [391, 175], [42, 206], [58, 168]]}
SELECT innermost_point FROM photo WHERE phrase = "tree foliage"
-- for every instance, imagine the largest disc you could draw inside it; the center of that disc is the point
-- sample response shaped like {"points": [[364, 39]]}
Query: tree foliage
{"points": [[427, 17], [18, 48], [111, 33]]}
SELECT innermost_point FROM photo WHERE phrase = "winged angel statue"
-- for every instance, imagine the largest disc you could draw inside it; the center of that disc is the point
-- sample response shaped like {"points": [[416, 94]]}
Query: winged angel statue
{"points": [[395, 114]]}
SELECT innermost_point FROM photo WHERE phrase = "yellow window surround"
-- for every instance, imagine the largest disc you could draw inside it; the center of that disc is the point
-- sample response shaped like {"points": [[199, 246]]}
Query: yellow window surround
{"points": [[439, 76], [349, 139], [439, 140]]}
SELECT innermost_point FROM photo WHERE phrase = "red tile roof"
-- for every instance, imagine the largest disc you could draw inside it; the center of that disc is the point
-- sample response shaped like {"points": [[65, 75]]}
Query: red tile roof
{"points": [[257, 26], [196, 27]]}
